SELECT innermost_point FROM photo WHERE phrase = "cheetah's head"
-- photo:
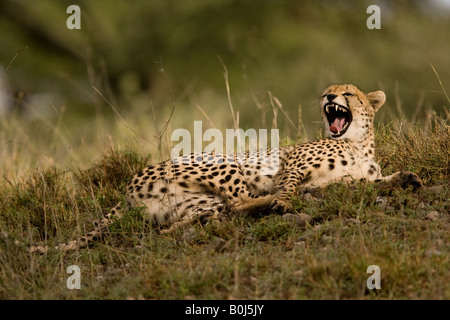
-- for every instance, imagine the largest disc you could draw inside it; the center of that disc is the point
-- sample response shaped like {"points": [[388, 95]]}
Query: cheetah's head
{"points": [[348, 112]]}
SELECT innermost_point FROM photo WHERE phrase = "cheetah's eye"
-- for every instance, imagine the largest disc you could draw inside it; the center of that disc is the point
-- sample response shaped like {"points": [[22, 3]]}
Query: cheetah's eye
{"points": [[348, 94]]}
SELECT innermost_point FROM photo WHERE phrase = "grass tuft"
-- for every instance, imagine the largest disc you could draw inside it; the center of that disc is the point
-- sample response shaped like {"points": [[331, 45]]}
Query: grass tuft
{"points": [[425, 151]]}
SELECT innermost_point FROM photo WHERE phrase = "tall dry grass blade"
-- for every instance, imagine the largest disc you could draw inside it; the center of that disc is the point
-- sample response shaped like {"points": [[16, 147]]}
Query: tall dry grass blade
{"points": [[227, 84], [398, 101], [280, 106], [131, 130], [440, 82], [261, 108], [161, 136], [107, 82], [157, 132], [275, 113], [62, 121], [301, 130], [419, 106], [161, 132], [14, 58], [205, 115]]}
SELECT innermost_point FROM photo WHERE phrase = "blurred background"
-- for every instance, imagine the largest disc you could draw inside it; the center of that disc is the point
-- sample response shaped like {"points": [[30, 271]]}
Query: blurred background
{"points": [[136, 70]]}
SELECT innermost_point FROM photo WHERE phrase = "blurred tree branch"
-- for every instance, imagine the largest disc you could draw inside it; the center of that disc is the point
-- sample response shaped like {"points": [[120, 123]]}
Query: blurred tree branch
{"points": [[20, 15]]}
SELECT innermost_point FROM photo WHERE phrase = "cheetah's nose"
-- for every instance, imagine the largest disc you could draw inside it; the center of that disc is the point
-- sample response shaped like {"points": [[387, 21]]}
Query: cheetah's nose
{"points": [[331, 97]]}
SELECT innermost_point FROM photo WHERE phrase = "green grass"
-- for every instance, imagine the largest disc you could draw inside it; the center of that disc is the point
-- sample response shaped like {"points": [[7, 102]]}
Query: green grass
{"points": [[245, 257]]}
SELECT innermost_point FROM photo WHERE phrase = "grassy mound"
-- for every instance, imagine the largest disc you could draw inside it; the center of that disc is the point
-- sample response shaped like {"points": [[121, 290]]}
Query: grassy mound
{"points": [[405, 233]]}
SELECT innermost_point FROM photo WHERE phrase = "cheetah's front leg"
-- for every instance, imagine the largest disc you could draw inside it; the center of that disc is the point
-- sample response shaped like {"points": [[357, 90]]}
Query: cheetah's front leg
{"points": [[287, 184], [401, 179]]}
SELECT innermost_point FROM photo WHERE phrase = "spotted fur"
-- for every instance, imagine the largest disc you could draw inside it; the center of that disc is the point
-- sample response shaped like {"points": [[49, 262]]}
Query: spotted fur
{"points": [[178, 192]]}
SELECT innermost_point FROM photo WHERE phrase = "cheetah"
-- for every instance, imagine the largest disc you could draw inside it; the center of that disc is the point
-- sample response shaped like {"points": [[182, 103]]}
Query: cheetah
{"points": [[202, 186]]}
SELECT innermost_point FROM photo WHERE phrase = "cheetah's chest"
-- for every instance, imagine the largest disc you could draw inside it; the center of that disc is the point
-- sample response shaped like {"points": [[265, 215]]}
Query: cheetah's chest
{"points": [[316, 165]]}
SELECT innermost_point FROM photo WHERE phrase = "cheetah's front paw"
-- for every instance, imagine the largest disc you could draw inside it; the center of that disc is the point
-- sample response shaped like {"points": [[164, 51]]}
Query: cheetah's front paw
{"points": [[280, 206], [406, 179]]}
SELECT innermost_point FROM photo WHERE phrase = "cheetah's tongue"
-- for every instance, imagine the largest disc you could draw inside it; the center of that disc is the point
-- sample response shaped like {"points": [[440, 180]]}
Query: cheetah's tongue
{"points": [[337, 125]]}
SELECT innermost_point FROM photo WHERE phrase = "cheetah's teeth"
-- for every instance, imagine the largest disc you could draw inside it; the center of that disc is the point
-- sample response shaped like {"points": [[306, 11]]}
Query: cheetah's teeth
{"points": [[336, 107], [327, 107]]}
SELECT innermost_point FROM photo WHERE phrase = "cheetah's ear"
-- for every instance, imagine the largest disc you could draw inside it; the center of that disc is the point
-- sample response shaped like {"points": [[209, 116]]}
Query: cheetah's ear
{"points": [[377, 99]]}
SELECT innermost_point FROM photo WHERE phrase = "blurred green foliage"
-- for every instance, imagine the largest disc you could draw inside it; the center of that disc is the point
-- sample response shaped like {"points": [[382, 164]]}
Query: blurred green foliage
{"points": [[292, 48]]}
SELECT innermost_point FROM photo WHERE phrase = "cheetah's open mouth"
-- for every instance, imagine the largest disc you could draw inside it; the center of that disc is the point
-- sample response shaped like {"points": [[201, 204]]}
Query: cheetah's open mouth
{"points": [[339, 118]]}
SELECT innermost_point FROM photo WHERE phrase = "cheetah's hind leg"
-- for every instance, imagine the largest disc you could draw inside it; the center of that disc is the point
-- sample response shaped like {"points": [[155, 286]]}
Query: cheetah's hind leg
{"points": [[94, 234], [256, 206], [206, 207]]}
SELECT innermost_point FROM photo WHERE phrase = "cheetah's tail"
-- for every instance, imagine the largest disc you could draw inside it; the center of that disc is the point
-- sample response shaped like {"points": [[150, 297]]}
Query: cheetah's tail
{"points": [[95, 233]]}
